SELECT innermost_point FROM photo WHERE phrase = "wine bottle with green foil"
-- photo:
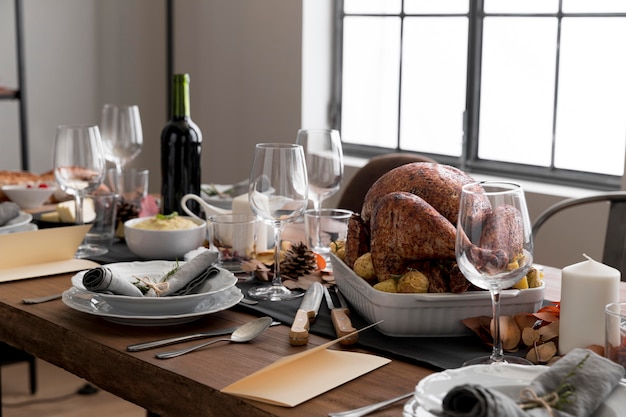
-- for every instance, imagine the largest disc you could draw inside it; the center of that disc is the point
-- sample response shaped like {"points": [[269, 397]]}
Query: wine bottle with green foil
{"points": [[181, 148]]}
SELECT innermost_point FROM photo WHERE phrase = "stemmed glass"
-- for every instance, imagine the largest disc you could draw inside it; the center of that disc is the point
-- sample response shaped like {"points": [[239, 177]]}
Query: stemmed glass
{"points": [[324, 161], [122, 135], [79, 168], [494, 247], [277, 195]]}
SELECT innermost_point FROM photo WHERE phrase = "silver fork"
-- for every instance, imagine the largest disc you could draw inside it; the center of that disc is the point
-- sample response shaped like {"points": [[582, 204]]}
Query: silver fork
{"points": [[43, 299], [358, 412]]}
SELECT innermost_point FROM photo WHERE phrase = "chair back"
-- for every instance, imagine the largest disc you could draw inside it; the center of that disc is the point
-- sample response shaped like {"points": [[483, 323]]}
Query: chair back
{"points": [[354, 192], [615, 241]]}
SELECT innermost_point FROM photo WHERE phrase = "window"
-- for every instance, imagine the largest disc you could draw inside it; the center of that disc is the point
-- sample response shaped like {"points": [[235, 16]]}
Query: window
{"points": [[534, 88]]}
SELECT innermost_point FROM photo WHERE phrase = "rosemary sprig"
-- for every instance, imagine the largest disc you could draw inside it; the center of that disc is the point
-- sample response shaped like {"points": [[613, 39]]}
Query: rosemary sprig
{"points": [[143, 282], [556, 399]]}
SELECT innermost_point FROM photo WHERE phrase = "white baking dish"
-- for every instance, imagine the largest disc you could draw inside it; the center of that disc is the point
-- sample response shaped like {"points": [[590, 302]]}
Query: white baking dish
{"points": [[427, 314]]}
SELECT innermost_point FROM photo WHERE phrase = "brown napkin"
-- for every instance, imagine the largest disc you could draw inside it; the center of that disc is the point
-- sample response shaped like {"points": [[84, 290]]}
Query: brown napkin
{"points": [[592, 376], [8, 211]]}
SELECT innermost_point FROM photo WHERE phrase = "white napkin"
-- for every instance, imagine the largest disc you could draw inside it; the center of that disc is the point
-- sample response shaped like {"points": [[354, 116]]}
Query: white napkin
{"points": [[189, 275], [8, 211], [185, 280], [102, 279]]}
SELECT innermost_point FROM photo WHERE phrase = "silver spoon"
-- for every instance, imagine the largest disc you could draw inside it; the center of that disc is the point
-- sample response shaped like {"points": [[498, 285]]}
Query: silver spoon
{"points": [[245, 333]]}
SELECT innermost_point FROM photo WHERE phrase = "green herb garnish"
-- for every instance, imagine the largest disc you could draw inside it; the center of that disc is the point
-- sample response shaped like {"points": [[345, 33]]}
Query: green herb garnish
{"points": [[167, 216]]}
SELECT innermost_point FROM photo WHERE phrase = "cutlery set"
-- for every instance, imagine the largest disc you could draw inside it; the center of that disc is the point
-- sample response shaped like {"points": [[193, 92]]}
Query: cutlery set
{"points": [[307, 312]]}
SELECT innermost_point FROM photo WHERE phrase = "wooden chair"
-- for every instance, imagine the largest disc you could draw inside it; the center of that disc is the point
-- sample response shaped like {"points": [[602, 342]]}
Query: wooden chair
{"points": [[356, 189], [615, 240]]}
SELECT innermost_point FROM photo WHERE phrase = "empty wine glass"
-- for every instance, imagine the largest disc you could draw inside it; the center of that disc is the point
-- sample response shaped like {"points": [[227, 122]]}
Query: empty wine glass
{"points": [[277, 195], [79, 167], [122, 135], [324, 161], [494, 247]]}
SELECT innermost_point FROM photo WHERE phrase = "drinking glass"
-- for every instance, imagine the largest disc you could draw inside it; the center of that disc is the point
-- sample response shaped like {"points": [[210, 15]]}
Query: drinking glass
{"points": [[122, 135], [277, 195], [324, 161], [79, 168], [494, 247]]}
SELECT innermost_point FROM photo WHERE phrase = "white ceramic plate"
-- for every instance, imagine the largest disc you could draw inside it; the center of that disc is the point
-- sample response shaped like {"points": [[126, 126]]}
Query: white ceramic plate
{"points": [[22, 219], [93, 304], [225, 201], [508, 379], [157, 306]]}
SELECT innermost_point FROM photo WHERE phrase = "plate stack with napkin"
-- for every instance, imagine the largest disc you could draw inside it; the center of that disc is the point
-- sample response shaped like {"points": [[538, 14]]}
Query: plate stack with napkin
{"points": [[154, 292]]}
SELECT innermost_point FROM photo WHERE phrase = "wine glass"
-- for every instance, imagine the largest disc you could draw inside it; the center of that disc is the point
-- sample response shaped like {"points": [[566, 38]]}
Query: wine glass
{"points": [[277, 195], [122, 135], [494, 247], [324, 161], [79, 168]]}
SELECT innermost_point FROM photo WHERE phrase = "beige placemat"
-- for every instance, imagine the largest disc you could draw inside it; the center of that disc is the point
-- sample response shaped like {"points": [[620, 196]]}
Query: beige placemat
{"points": [[300, 377], [42, 252]]}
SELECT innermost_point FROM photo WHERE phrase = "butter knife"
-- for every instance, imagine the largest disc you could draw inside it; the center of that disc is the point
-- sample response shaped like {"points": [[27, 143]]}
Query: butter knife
{"points": [[164, 342]]}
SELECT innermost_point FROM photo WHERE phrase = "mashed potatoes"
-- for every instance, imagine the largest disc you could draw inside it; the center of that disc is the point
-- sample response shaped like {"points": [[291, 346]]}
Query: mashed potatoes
{"points": [[166, 223]]}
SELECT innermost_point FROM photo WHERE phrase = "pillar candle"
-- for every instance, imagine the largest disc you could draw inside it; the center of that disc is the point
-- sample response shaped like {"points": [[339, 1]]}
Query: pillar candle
{"points": [[241, 205], [586, 288]]}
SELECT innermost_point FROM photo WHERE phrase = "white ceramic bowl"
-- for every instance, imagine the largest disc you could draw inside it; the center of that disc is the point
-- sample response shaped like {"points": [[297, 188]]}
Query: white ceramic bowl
{"points": [[28, 197], [156, 306], [164, 244], [427, 314]]}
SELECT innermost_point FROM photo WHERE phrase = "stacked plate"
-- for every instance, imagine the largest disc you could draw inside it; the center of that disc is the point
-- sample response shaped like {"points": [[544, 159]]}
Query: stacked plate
{"points": [[216, 294], [21, 223], [509, 379]]}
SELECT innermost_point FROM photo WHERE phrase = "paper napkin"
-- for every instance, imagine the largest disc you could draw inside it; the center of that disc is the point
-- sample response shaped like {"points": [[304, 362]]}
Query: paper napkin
{"points": [[300, 377], [42, 252]]}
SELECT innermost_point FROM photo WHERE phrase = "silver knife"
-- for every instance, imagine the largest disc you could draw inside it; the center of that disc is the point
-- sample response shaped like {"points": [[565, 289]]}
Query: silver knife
{"points": [[340, 316], [299, 332]]}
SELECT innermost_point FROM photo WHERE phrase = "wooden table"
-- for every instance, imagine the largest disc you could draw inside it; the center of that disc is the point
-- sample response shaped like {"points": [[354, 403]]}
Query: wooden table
{"points": [[94, 349]]}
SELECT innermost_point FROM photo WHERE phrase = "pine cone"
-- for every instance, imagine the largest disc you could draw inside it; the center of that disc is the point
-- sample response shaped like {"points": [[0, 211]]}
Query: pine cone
{"points": [[299, 260]]}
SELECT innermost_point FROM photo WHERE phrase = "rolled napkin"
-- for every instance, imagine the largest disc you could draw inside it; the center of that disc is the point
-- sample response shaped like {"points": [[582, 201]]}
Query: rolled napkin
{"points": [[575, 386], [101, 279], [8, 211], [186, 279], [188, 276]]}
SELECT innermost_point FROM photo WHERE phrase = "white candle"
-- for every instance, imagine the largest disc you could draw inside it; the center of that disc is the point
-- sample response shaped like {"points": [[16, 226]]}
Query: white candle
{"points": [[241, 205], [586, 288]]}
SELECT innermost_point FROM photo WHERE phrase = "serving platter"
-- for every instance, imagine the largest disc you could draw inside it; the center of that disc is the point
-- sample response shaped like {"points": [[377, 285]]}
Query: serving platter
{"points": [[506, 378], [156, 306], [94, 304]]}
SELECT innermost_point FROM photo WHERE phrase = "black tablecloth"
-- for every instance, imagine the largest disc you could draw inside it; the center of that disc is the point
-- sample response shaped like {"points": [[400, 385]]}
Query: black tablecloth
{"points": [[433, 352]]}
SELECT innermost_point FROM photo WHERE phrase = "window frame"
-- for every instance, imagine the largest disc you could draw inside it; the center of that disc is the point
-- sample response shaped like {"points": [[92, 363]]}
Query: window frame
{"points": [[469, 160]]}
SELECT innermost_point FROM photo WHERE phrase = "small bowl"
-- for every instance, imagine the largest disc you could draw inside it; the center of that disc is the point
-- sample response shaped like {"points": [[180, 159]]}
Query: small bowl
{"points": [[164, 244], [28, 197]]}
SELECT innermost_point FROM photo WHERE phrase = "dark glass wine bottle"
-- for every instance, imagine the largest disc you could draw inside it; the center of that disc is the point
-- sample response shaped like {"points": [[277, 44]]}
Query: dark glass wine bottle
{"points": [[181, 146]]}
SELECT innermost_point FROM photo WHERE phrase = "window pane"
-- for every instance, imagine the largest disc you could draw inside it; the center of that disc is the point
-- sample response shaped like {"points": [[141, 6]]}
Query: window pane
{"points": [[371, 6], [522, 6], [591, 132], [433, 84], [517, 93], [371, 81], [597, 6], [436, 6]]}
